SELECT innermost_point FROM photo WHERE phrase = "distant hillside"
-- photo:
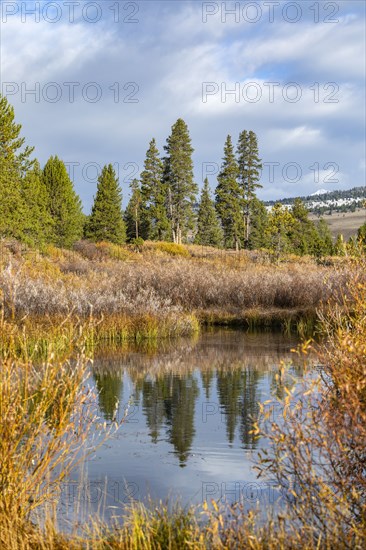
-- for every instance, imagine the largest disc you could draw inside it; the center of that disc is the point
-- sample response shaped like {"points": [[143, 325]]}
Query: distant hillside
{"points": [[323, 202], [346, 223]]}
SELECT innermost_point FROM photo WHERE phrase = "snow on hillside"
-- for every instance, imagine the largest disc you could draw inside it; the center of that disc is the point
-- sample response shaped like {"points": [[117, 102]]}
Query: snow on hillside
{"points": [[319, 192], [322, 200]]}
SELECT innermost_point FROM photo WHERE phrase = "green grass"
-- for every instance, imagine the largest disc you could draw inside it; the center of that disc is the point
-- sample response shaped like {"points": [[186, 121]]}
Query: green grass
{"points": [[35, 337]]}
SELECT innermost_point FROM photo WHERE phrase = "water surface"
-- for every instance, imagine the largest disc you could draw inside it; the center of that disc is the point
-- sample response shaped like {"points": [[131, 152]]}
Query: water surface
{"points": [[187, 434]]}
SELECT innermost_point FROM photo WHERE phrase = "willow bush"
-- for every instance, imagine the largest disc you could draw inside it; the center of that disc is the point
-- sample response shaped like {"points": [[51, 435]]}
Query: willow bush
{"points": [[318, 445]]}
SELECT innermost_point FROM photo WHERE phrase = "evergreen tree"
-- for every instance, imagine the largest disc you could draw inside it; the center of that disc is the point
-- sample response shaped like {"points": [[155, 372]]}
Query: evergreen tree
{"points": [[133, 212], [170, 401], [12, 207], [12, 149], [39, 227], [250, 167], [14, 164], [155, 395], [106, 219], [280, 226], [154, 219], [63, 203], [228, 197], [179, 182], [229, 389], [249, 407], [180, 407], [303, 233], [324, 244], [258, 237], [209, 231], [110, 387]]}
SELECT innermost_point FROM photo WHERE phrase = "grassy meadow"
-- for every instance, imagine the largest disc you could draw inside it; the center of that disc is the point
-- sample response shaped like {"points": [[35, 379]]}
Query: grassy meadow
{"points": [[345, 223]]}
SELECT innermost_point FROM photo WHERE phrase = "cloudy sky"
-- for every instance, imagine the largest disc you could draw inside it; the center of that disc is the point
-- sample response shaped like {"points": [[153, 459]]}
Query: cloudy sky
{"points": [[107, 76]]}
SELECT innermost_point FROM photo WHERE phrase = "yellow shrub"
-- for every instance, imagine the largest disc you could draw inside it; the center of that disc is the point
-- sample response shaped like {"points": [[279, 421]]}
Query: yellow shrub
{"points": [[53, 252], [170, 248]]}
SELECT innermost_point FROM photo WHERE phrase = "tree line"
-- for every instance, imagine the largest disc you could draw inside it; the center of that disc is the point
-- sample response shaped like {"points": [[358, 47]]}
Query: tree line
{"points": [[40, 205]]}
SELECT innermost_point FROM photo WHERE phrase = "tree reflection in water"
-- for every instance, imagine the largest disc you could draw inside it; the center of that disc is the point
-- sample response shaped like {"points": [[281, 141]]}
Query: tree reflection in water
{"points": [[171, 382]]}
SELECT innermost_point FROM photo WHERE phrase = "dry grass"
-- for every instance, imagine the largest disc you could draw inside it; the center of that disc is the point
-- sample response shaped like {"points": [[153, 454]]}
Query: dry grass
{"points": [[46, 419], [162, 290], [318, 446], [346, 223]]}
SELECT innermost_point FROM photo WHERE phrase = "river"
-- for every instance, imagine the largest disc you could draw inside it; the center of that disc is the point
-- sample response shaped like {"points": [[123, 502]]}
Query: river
{"points": [[186, 435]]}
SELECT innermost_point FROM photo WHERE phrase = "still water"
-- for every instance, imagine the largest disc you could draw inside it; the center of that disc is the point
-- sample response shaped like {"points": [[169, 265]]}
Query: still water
{"points": [[187, 432]]}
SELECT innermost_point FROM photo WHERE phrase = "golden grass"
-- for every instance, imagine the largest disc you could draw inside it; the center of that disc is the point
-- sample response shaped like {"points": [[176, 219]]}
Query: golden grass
{"points": [[163, 290], [318, 448], [45, 415], [171, 249], [35, 337]]}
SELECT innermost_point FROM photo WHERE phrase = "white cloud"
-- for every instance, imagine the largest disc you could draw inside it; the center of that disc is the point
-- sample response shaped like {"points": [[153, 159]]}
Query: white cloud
{"points": [[35, 52], [299, 137], [169, 54]]}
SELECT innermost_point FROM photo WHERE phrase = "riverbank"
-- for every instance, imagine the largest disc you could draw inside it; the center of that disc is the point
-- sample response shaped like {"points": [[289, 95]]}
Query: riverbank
{"points": [[47, 412], [159, 290]]}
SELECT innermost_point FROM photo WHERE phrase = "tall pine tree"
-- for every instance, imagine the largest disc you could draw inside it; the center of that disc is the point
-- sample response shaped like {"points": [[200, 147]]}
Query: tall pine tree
{"points": [[132, 215], [250, 167], [64, 204], [154, 219], [106, 219], [179, 182], [303, 230], [228, 197], [39, 223], [14, 164], [209, 232], [324, 245], [258, 237]]}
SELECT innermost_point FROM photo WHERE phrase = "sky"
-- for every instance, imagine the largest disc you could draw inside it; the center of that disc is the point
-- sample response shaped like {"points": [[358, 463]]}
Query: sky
{"points": [[93, 82]]}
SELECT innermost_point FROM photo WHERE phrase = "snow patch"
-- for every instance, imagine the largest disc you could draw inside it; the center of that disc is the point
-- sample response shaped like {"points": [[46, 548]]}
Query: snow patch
{"points": [[319, 192]]}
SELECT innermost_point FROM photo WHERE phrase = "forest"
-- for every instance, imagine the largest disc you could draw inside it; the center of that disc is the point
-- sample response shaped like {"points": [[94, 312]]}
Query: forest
{"points": [[39, 206]]}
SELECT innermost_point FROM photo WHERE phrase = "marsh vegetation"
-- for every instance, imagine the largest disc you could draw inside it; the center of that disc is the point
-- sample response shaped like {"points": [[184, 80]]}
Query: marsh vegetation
{"points": [[47, 414]]}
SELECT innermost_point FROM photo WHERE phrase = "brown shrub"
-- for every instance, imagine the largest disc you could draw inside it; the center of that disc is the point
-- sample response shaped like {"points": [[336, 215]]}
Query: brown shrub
{"points": [[318, 450], [158, 284]]}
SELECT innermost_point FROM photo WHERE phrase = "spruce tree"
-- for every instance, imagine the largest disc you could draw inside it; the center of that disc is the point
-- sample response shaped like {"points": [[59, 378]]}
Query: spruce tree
{"points": [[14, 164], [209, 232], [39, 223], [228, 197], [132, 215], [324, 245], [303, 234], [12, 149], [258, 237], [12, 206], [106, 219], [250, 167], [179, 182], [64, 204], [154, 219]]}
